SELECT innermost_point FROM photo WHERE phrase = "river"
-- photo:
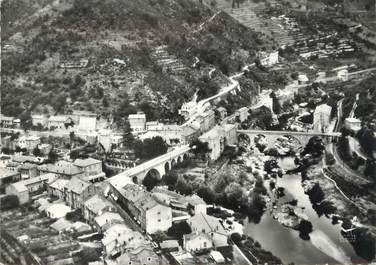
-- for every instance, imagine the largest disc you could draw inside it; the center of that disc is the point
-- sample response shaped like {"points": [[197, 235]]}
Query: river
{"points": [[326, 244]]}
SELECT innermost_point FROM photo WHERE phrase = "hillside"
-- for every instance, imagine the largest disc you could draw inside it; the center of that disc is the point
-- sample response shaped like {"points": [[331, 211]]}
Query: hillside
{"points": [[115, 57]]}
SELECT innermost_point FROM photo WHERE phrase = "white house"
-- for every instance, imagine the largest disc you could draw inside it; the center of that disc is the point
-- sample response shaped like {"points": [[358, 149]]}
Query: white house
{"points": [[137, 122], [92, 169], [321, 118], [203, 224], [39, 119], [197, 241]]}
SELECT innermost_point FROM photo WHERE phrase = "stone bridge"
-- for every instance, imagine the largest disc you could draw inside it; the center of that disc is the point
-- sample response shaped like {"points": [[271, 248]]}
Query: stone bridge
{"points": [[272, 136], [157, 167]]}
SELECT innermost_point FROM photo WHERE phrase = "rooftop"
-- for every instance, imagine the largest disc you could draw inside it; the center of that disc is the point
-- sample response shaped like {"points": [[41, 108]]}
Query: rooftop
{"points": [[97, 203], [61, 168], [6, 173], [86, 162], [108, 217], [207, 222], [77, 185], [59, 184]]}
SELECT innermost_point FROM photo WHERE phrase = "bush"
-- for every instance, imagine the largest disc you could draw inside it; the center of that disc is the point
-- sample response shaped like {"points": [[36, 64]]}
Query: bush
{"points": [[9, 202]]}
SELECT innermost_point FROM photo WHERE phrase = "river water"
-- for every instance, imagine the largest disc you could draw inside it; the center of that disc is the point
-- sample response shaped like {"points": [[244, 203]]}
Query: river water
{"points": [[326, 244]]}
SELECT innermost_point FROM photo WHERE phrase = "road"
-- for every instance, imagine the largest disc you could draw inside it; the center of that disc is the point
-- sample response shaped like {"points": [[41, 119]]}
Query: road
{"points": [[329, 134]]}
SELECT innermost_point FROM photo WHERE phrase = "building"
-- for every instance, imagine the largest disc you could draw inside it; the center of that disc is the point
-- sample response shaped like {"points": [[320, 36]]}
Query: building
{"points": [[119, 237], [242, 114], [59, 122], [196, 242], [353, 124], [6, 122], [149, 213], [86, 121], [198, 204], [62, 169], [39, 120], [92, 169], [8, 176], [270, 59], [142, 255], [24, 189], [189, 133], [105, 220], [55, 188], [57, 210], [206, 120], [188, 109], [171, 133], [169, 245], [137, 122], [222, 112], [321, 118], [209, 226], [77, 191], [109, 140], [218, 137], [28, 142], [28, 170], [343, 75], [95, 206]]}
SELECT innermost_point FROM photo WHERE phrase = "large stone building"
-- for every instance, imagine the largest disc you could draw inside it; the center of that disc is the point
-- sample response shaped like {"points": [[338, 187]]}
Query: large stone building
{"points": [[321, 118], [137, 122], [218, 137]]}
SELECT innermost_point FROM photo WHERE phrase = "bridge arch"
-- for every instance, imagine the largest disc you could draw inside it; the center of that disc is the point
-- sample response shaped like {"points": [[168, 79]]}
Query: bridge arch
{"points": [[179, 160], [167, 166], [173, 163], [185, 156]]}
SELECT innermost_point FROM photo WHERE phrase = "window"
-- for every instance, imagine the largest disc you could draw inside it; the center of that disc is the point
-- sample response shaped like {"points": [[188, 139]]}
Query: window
{"points": [[149, 259], [205, 244], [203, 230], [159, 220]]}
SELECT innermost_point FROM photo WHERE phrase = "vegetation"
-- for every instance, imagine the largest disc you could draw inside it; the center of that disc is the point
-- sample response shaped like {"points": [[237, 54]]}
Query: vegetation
{"points": [[150, 148]]}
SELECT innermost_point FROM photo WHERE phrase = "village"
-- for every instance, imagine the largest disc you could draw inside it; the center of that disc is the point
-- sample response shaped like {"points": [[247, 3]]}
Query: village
{"points": [[77, 188]]}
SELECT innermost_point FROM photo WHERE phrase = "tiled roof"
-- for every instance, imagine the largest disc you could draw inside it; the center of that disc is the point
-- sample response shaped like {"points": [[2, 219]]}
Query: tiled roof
{"points": [[97, 203], [86, 162], [77, 185]]}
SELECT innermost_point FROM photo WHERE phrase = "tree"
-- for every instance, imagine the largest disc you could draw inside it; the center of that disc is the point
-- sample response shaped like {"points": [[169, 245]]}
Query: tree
{"points": [[150, 148], [52, 156], [170, 178], [305, 227], [199, 148], [150, 181], [316, 194], [37, 152], [26, 120], [128, 138]]}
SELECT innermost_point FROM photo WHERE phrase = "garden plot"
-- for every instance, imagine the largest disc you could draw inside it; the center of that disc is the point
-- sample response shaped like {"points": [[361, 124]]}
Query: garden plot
{"points": [[27, 236]]}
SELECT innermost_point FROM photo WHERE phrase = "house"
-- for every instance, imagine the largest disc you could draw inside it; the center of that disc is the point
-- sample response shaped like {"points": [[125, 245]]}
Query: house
{"points": [[24, 189], [218, 137], [143, 255], [343, 75], [137, 122], [6, 122], [86, 121], [120, 237], [242, 114], [28, 170], [171, 133], [57, 210], [55, 188], [270, 59], [29, 142], [222, 112], [353, 124], [92, 169], [59, 122], [197, 241], [321, 118], [105, 220], [198, 204], [210, 226], [4, 160], [77, 191], [189, 133], [169, 245], [39, 120], [188, 109], [149, 213], [95, 206], [8, 176], [207, 120], [62, 169]]}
